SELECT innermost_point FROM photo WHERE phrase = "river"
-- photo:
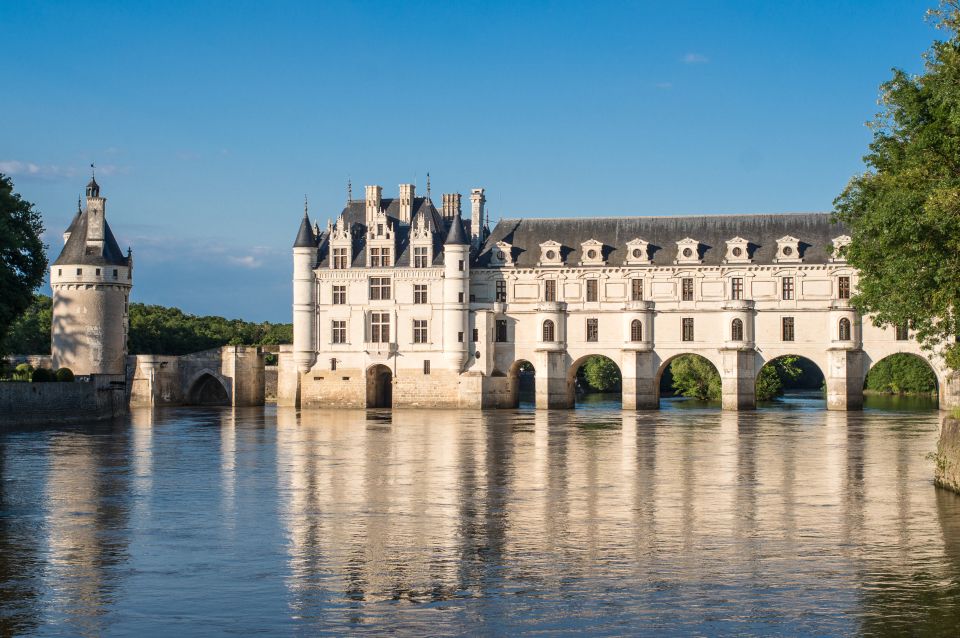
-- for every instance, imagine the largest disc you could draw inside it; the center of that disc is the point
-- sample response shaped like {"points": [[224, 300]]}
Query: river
{"points": [[790, 520]]}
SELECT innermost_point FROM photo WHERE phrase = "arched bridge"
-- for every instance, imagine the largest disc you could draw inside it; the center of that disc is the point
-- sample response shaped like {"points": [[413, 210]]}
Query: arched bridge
{"points": [[231, 375]]}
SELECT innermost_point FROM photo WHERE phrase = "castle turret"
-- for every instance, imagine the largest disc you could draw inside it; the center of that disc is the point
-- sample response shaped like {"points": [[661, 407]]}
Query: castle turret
{"points": [[304, 296], [91, 282], [456, 295]]}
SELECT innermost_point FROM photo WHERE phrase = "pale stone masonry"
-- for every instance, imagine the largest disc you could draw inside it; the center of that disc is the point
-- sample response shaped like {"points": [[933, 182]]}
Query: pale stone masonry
{"points": [[398, 303]]}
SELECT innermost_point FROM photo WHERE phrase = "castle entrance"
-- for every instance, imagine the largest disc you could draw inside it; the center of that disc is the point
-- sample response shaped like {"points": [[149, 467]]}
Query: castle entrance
{"points": [[379, 387]]}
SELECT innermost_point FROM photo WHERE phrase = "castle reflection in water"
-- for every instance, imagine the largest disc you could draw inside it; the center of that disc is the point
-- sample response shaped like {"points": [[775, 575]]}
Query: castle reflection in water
{"points": [[696, 520]]}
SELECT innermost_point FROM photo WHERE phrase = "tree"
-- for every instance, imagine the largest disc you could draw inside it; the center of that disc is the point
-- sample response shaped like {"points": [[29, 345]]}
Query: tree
{"points": [[901, 374], [22, 259], [695, 376], [601, 374], [904, 211], [772, 376], [30, 333]]}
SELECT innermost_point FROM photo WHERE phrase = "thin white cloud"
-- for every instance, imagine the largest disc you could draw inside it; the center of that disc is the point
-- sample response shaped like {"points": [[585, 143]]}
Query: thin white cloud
{"points": [[664, 85], [53, 172], [694, 58]]}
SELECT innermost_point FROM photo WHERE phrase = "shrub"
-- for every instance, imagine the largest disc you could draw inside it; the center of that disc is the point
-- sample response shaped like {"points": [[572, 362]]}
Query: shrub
{"points": [[695, 376], [23, 372], [42, 375], [64, 375], [601, 373]]}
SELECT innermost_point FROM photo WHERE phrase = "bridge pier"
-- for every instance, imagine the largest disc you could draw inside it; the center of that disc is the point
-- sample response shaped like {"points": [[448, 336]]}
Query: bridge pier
{"points": [[845, 368], [950, 391], [638, 371], [551, 377], [738, 376]]}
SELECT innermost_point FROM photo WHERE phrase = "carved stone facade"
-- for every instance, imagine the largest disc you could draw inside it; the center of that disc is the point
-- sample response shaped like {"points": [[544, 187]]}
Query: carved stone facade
{"points": [[451, 326]]}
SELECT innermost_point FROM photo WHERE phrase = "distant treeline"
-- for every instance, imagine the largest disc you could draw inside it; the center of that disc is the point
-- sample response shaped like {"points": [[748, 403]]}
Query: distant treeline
{"points": [[153, 330]]}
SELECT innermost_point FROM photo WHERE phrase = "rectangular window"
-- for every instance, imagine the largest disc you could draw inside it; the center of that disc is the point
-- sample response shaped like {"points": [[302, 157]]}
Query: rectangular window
{"points": [[79, 271], [115, 273], [501, 333], [460, 265], [843, 287], [339, 258], [476, 335], [426, 366], [686, 325], [339, 295], [593, 330], [379, 257], [420, 257], [459, 337], [98, 272], [903, 332], [380, 327], [591, 289], [636, 289], [333, 364], [379, 288], [420, 331], [501, 290], [338, 331], [787, 288], [788, 333], [686, 289], [549, 289], [736, 288], [419, 293], [460, 297]]}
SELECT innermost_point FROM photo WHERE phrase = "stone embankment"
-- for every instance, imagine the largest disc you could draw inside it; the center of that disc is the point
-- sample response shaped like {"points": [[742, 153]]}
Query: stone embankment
{"points": [[94, 398], [947, 471]]}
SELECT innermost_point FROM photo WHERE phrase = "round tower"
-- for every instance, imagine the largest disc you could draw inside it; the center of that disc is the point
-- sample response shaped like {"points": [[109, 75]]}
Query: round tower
{"points": [[304, 296], [456, 296], [91, 282]]}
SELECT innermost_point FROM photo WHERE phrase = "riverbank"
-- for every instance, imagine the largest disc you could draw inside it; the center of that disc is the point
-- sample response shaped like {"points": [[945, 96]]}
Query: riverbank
{"points": [[93, 398], [947, 458]]}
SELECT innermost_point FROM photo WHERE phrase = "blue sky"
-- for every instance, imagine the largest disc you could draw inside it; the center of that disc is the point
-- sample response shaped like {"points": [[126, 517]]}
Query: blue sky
{"points": [[210, 122]]}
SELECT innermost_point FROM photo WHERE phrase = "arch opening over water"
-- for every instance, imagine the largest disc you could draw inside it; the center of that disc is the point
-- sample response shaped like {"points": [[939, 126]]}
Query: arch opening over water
{"points": [[790, 376], [903, 380], [379, 386], [594, 380], [523, 384], [690, 380], [208, 390]]}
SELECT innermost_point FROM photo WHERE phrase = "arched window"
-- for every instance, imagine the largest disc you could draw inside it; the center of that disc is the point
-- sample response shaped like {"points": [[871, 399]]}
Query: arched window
{"points": [[636, 330], [844, 329], [548, 333], [736, 330]]}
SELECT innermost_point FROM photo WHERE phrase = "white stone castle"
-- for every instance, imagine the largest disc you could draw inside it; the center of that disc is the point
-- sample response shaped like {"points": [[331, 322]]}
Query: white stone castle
{"points": [[400, 304]]}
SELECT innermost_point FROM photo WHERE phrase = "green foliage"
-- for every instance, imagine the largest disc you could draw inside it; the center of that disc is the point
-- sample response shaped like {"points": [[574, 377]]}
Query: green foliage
{"points": [[153, 330], [904, 211], [65, 375], [601, 374], [23, 372], [43, 375], [23, 262], [901, 374], [772, 376], [695, 376]]}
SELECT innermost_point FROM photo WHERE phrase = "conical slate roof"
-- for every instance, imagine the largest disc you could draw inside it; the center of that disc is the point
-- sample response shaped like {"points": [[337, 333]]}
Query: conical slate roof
{"points": [[305, 238], [76, 250], [456, 236]]}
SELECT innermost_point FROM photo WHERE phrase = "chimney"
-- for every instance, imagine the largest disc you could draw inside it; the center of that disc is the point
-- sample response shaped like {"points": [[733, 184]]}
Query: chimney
{"points": [[406, 203], [373, 202], [451, 205], [477, 221]]}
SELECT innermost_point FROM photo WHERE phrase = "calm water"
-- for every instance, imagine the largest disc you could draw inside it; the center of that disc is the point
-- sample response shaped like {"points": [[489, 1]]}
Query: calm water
{"points": [[192, 522]]}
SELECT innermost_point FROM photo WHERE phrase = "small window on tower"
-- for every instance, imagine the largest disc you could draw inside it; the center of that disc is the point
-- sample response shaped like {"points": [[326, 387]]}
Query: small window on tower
{"points": [[79, 271], [98, 272], [115, 273]]}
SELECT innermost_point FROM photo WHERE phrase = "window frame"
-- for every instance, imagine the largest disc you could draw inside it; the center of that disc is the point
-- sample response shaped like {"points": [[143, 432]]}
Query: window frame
{"points": [[593, 330], [636, 331], [788, 329], [380, 284], [421, 332], [548, 331], [686, 289], [687, 333], [379, 327]]}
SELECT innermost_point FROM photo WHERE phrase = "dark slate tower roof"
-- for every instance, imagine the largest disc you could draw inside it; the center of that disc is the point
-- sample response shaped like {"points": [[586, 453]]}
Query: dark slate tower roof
{"points": [[456, 236], [815, 232], [76, 250], [305, 238]]}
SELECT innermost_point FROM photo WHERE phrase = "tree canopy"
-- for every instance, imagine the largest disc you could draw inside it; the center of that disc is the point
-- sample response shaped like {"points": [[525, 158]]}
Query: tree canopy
{"points": [[694, 376], [23, 262], [601, 374], [901, 374], [904, 210]]}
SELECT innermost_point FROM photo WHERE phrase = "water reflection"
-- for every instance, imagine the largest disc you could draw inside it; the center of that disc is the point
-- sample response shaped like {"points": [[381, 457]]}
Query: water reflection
{"points": [[795, 521]]}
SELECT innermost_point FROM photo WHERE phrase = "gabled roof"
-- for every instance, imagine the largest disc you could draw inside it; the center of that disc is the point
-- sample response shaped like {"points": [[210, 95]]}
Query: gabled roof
{"points": [[76, 251], [814, 230]]}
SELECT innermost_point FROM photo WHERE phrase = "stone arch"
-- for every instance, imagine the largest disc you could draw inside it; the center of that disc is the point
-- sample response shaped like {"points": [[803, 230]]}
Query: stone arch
{"points": [[208, 388], [813, 377], [938, 377], [523, 382], [379, 386], [572, 389], [666, 363]]}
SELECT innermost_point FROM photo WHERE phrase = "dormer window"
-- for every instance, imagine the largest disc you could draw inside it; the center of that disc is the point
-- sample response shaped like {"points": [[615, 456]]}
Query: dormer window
{"points": [[591, 253], [738, 251], [637, 252], [688, 251], [502, 254], [550, 253], [788, 250], [840, 247]]}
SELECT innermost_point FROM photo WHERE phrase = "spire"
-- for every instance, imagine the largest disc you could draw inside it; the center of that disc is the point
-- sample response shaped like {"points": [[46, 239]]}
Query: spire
{"points": [[428, 185], [305, 238], [93, 189], [456, 236], [349, 191], [304, 204]]}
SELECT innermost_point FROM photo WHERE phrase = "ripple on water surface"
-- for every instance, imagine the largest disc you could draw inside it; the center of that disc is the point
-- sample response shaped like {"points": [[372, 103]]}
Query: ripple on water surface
{"points": [[790, 520]]}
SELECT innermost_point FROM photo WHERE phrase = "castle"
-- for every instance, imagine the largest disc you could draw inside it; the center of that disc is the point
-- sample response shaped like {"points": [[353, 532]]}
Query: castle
{"points": [[397, 303]]}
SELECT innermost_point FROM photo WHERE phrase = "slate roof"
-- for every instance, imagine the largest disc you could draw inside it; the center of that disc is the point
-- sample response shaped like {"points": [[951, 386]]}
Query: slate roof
{"points": [[814, 230], [75, 251], [355, 213], [305, 238], [456, 236]]}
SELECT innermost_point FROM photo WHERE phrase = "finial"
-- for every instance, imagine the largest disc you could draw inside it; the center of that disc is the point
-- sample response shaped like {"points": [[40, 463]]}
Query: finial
{"points": [[428, 184], [78, 204], [349, 190], [93, 171], [304, 205]]}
